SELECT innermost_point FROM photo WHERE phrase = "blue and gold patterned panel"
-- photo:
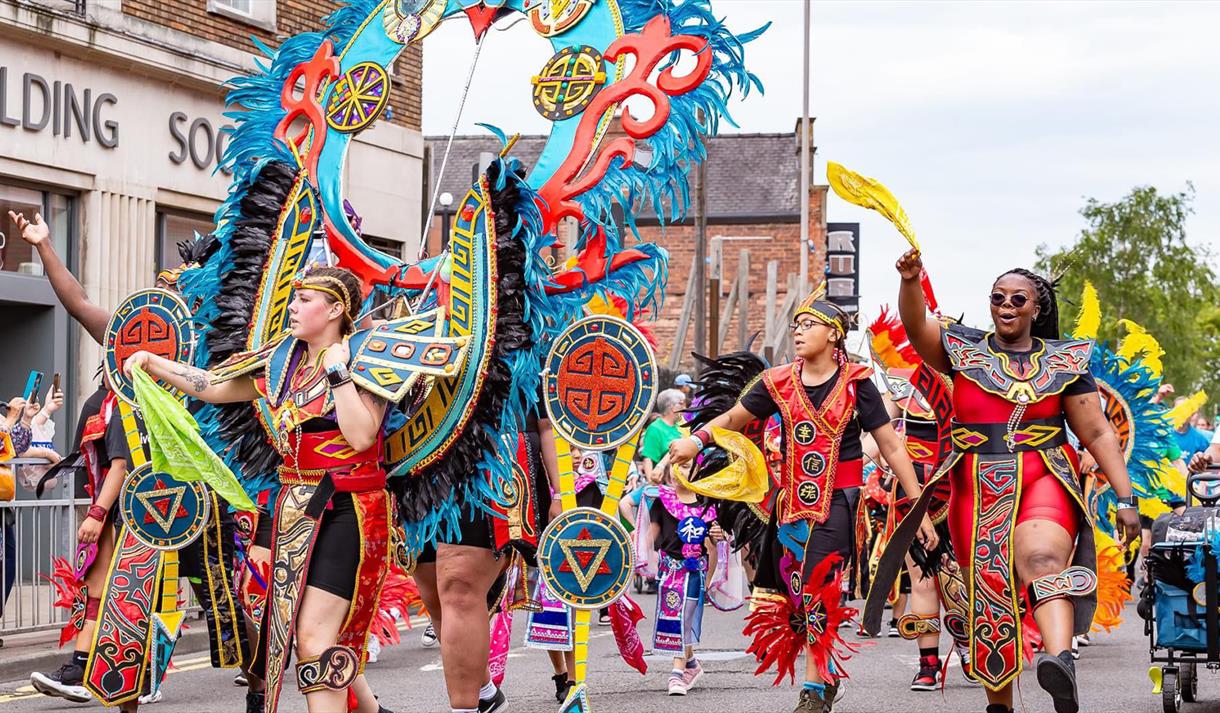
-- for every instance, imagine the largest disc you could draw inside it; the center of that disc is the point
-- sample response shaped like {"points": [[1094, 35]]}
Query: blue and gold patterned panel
{"points": [[430, 431], [389, 359]]}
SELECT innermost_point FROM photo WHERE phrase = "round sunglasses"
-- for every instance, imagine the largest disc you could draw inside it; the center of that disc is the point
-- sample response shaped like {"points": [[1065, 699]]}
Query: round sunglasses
{"points": [[1018, 299]]}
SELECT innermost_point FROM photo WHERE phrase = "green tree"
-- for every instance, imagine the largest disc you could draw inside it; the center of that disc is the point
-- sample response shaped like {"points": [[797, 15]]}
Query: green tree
{"points": [[1136, 254]]}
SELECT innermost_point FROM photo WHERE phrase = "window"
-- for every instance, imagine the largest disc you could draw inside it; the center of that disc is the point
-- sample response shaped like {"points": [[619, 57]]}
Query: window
{"points": [[260, 13], [393, 248], [174, 228], [56, 208]]}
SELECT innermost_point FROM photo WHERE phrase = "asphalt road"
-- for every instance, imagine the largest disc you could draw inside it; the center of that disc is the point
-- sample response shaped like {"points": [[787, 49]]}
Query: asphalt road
{"points": [[408, 678]]}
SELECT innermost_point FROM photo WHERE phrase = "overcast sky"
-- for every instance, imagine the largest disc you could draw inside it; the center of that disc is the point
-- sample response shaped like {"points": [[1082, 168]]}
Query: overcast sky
{"points": [[991, 121]]}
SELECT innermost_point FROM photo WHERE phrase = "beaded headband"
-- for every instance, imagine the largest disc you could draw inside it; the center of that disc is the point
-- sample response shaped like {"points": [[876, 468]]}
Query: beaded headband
{"points": [[323, 283], [827, 313]]}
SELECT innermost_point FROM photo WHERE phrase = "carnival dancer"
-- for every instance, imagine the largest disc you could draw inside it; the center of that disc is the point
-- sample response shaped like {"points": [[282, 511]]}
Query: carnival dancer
{"points": [[825, 402], [680, 528], [1016, 512], [103, 448], [331, 537], [229, 635], [919, 400]]}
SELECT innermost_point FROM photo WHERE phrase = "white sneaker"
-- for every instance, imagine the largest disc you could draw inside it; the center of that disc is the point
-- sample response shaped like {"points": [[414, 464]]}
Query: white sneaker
{"points": [[428, 638], [151, 698], [677, 684]]}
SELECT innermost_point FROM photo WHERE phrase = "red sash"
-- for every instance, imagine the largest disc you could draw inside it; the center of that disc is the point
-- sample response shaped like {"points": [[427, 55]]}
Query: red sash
{"points": [[94, 430], [812, 438]]}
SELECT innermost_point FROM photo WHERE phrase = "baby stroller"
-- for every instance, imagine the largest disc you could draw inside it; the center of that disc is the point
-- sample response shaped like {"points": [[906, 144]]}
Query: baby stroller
{"points": [[1180, 604]]}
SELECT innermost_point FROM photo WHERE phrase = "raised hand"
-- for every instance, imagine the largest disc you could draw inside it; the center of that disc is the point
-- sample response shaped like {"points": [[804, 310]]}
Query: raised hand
{"points": [[910, 265], [33, 233]]}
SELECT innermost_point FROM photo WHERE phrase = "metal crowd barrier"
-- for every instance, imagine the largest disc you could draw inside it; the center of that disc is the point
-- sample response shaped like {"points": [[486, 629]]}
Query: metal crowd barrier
{"points": [[33, 532]]}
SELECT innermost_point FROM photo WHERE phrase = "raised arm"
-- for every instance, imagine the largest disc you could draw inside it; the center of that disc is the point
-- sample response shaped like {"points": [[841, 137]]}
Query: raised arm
{"points": [[194, 382], [922, 330], [682, 450], [68, 290], [1091, 426]]}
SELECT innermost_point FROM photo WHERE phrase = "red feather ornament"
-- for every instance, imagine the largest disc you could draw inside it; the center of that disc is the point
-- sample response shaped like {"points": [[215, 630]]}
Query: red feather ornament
{"points": [[779, 631], [399, 595], [69, 594]]}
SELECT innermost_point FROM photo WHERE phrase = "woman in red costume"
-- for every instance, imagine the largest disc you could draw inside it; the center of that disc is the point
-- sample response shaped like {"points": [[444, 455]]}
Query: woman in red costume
{"points": [[1016, 513], [330, 540], [825, 404]]}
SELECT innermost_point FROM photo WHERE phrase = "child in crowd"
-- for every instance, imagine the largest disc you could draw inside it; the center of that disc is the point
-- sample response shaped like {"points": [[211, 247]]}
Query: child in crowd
{"points": [[681, 530]]}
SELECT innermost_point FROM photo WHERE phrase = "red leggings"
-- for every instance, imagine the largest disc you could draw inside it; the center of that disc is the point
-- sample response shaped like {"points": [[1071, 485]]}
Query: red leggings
{"points": [[1043, 497]]}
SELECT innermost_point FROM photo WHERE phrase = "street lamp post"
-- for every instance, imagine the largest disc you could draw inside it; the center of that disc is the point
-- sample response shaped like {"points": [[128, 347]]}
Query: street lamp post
{"points": [[446, 201]]}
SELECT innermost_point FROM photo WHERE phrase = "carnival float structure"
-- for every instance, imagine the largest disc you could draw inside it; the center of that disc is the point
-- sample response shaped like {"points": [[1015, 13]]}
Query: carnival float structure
{"points": [[459, 336]]}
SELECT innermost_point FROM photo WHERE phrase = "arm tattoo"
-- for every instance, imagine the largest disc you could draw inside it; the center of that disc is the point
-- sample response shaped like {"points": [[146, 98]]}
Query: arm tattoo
{"points": [[198, 378]]}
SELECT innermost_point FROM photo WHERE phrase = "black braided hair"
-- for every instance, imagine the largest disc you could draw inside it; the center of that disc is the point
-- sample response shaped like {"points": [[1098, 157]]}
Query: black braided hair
{"points": [[1046, 325]]}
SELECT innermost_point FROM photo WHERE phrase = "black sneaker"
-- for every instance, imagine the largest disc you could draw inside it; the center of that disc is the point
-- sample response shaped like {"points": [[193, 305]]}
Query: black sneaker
{"points": [[928, 675], [496, 704], [255, 701], [66, 683], [562, 686], [1057, 676]]}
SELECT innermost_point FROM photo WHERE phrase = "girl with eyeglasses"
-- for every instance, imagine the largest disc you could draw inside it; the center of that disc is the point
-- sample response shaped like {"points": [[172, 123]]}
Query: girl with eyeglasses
{"points": [[1017, 515], [825, 402]]}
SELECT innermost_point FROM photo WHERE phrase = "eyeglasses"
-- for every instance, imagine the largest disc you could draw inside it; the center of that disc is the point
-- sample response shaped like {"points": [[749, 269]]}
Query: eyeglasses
{"points": [[1018, 299], [802, 326]]}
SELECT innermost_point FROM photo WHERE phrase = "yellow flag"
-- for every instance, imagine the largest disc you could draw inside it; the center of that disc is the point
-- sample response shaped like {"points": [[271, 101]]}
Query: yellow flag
{"points": [[870, 193], [744, 479]]}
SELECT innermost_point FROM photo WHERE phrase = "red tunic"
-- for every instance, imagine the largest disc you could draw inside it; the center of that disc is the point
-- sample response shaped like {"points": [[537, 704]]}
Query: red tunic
{"points": [[1011, 463]]}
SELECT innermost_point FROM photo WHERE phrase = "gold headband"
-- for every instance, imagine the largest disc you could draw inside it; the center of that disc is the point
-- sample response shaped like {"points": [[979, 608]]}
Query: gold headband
{"points": [[320, 284], [813, 310]]}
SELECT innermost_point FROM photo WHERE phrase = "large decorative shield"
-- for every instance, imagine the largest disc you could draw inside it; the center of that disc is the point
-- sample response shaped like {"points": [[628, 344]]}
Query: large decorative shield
{"points": [[161, 512], [151, 320], [600, 383], [587, 558]]}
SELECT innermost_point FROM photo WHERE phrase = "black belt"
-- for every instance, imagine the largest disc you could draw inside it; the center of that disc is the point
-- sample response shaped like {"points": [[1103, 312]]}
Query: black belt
{"points": [[1031, 435]]}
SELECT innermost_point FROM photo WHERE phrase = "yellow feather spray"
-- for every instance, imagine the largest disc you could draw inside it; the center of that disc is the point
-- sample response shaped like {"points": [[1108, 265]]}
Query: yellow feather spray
{"points": [[872, 194], [1139, 341], [1178, 414], [1089, 319]]}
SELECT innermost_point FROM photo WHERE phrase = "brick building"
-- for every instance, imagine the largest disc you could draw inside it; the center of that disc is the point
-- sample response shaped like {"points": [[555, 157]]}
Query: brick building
{"points": [[111, 118], [753, 203]]}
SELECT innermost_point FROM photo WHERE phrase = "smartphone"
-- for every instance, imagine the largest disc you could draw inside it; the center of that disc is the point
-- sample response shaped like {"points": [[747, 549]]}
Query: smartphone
{"points": [[33, 386], [55, 383]]}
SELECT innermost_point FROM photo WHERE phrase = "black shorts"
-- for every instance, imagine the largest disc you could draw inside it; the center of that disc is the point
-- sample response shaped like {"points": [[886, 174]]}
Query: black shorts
{"points": [[835, 536], [336, 554], [474, 531]]}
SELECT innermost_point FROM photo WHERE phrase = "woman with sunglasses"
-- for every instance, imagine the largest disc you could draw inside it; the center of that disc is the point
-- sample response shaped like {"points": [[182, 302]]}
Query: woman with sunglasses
{"points": [[825, 403], [1016, 513]]}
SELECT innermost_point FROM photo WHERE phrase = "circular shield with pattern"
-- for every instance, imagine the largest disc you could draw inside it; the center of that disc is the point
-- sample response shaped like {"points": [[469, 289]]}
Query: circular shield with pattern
{"points": [[1119, 413], [555, 17], [407, 21], [152, 320], [358, 98], [586, 558], [568, 82], [600, 383], [162, 512]]}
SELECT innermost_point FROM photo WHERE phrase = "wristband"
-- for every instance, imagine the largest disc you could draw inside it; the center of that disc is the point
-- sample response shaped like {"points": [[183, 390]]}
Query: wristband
{"points": [[97, 512], [704, 437], [1128, 503], [337, 375], [697, 441]]}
